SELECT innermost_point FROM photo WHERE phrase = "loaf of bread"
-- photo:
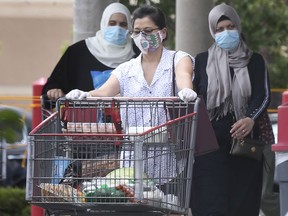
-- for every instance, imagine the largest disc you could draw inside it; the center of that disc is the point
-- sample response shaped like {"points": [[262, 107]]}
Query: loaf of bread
{"points": [[100, 166], [60, 193]]}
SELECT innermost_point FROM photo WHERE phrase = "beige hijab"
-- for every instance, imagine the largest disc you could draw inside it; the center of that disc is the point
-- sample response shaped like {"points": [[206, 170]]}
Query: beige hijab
{"points": [[226, 94], [109, 54]]}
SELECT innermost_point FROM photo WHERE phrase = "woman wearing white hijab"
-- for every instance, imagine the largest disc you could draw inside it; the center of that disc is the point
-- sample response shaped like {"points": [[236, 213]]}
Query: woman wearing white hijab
{"points": [[87, 64], [235, 85]]}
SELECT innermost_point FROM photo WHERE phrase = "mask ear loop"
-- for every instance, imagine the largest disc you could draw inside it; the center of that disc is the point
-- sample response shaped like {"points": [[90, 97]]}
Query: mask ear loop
{"points": [[162, 35]]}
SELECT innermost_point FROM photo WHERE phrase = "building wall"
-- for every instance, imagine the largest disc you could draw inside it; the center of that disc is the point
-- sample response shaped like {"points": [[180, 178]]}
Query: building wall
{"points": [[32, 34]]}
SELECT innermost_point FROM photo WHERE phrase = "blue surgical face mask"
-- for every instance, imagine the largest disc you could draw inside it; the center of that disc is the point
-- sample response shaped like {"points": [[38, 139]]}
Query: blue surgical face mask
{"points": [[115, 35], [228, 39]]}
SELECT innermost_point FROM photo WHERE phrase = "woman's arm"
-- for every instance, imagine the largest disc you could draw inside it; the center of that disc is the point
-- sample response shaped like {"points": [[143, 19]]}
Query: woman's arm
{"points": [[184, 73], [109, 89], [260, 96]]}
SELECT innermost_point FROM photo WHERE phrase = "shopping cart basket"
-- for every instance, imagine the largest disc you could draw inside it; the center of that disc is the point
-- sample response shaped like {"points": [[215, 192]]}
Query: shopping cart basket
{"points": [[114, 156]]}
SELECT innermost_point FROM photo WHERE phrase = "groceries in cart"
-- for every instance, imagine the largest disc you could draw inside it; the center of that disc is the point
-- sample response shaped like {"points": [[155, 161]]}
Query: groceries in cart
{"points": [[117, 186]]}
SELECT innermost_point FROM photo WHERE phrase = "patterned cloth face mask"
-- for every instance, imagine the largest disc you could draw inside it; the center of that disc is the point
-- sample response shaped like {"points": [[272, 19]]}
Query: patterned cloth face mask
{"points": [[148, 43]]}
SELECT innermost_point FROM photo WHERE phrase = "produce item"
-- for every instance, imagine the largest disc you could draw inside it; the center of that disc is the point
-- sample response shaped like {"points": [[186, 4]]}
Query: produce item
{"points": [[106, 194], [90, 186], [123, 173], [123, 176], [128, 191]]}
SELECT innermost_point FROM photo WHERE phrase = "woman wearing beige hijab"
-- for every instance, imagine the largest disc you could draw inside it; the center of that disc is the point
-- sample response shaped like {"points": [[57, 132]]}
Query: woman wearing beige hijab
{"points": [[235, 85]]}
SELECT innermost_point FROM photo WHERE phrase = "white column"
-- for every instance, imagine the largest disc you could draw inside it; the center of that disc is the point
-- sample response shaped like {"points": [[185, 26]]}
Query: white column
{"points": [[192, 31], [87, 17]]}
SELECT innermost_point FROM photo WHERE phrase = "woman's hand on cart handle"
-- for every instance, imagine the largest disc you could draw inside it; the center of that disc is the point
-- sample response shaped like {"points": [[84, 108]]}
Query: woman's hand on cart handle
{"points": [[77, 94], [54, 94], [187, 95]]}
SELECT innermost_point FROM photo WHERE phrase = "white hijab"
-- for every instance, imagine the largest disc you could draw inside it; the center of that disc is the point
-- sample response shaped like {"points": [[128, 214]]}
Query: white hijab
{"points": [[107, 53], [223, 93]]}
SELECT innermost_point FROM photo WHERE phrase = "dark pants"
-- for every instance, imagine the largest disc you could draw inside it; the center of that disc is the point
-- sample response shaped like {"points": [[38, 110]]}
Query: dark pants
{"points": [[225, 185]]}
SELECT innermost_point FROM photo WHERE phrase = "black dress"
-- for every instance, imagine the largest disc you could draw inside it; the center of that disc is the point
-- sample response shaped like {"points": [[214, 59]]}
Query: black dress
{"points": [[223, 184]]}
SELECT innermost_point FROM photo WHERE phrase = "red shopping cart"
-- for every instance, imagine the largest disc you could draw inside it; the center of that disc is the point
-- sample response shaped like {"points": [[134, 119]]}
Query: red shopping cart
{"points": [[139, 161]]}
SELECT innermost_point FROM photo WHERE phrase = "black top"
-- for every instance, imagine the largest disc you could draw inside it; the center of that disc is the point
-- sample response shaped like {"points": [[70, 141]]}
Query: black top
{"points": [[260, 92], [73, 71]]}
